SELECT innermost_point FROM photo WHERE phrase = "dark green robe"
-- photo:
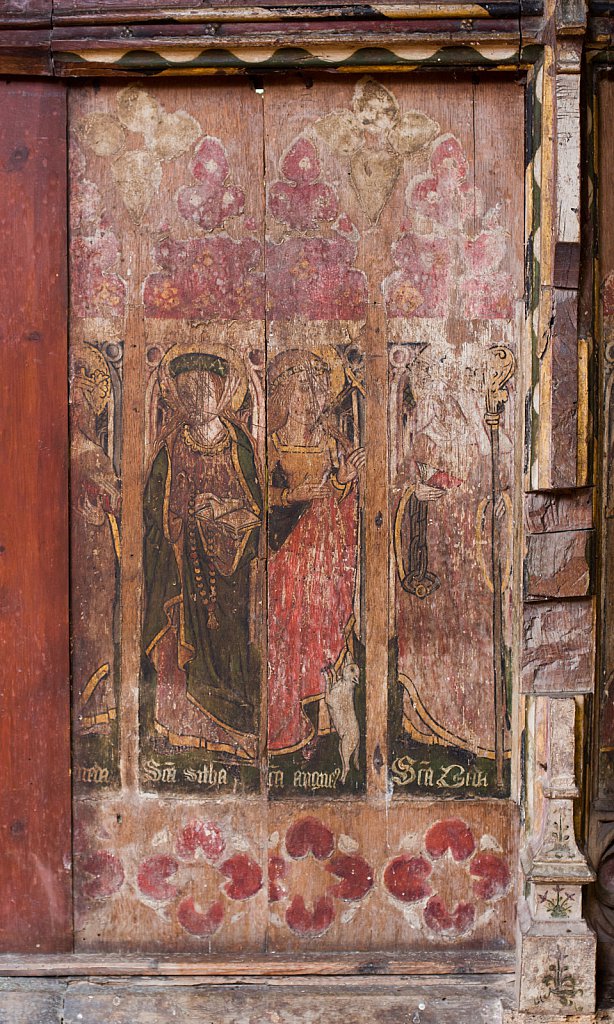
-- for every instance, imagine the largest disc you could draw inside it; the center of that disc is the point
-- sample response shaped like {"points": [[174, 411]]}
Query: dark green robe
{"points": [[222, 667]]}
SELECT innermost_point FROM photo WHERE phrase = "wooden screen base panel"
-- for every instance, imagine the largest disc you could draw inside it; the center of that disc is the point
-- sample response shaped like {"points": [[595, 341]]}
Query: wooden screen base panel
{"points": [[223, 879]]}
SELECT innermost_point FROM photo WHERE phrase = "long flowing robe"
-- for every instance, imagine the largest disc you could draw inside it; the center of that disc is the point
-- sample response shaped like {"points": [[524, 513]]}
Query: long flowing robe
{"points": [[205, 669], [94, 548], [445, 638], [311, 582]]}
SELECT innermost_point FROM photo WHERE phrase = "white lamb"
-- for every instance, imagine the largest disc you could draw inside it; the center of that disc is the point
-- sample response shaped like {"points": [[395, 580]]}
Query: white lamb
{"points": [[339, 697]]}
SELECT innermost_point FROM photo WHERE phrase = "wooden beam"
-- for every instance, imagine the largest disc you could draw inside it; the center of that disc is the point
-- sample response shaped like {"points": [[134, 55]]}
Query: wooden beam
{"points": [[455, 962], [35, 812]]}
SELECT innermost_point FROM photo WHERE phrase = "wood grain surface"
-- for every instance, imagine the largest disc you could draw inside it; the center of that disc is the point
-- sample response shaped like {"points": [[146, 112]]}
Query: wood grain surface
{"points": [[25, 12], [558, 565], [307, 1001], [35, 814], [306, 1004], [244, 308], [606, 264], [219, 969], [135, 9], [547, 512], [558, 653]]}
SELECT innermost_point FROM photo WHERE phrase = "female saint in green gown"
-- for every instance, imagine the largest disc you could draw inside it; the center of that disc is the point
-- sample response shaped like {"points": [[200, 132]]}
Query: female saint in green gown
{"points": [[202, 515]]}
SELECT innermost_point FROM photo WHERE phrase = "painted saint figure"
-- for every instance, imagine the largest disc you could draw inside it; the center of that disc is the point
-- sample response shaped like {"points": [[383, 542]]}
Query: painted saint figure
{"points": [[313, 546], [202, 514], [95, 505], [450, 641]]}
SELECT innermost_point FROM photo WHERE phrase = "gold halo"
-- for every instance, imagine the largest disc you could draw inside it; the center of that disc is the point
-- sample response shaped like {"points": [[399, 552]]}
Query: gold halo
{"points": [[337, 369], [97, 372], [213, 348], [328, 354]]}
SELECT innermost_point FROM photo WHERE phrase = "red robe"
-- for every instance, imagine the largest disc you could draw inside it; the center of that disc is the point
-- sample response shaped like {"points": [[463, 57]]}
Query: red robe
{"points": [[311, 584]]}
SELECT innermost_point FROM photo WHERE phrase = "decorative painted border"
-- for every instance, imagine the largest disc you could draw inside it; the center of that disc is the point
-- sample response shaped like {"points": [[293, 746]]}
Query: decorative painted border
{"points": [[533, 140], [398, 57]]}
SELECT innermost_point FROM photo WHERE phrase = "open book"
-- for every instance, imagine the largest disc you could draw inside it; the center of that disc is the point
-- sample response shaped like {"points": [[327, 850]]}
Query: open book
{"points": [[226, 516], [238, 522]]}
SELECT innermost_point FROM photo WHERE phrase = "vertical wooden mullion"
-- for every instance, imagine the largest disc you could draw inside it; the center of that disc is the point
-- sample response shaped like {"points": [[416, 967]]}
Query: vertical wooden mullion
{"points": [[376, 562], [131, 584], [35, 805]]}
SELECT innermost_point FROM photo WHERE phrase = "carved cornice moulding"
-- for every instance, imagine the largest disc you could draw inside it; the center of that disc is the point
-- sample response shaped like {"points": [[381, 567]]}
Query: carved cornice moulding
{"points": [[42, 37]]}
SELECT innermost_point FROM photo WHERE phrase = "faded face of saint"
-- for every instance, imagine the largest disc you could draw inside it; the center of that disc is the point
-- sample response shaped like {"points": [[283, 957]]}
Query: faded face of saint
{"points": [[198, 396], [310, 397]]}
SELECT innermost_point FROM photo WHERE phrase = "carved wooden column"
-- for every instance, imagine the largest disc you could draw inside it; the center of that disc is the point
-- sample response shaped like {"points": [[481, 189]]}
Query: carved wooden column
{"points": [[557, 967], [557, 947]]}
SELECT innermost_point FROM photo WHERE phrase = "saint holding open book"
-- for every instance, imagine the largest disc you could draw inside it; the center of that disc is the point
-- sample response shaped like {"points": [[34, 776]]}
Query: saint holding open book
{"points": [[202, 509]]}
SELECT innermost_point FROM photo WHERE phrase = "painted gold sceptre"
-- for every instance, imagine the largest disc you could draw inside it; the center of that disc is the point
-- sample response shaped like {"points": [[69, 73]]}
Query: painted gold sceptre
{"points": [[496, 396]]}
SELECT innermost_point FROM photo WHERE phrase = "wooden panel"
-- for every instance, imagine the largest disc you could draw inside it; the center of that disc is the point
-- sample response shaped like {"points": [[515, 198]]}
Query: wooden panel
{"points": [[135, 10], [166, 254], [211, 826], [97, 307], [222, 967], [606, 264], [33, 1003], [339, 165], [454, 306], [564, 451], [435, 876], [558, 565], [568, 159], [558, 649], [559, 460], [317, 394], [157, 878], [565, 388], [546, 512], [35, 910]]}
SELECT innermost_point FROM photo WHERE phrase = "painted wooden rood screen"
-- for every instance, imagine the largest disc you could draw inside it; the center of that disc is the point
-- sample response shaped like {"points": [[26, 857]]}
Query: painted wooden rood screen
{"points": [[296, 359]]}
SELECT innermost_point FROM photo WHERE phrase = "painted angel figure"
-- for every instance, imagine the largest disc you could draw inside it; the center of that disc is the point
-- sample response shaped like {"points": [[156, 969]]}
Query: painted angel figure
{"points": [[313, 540], [202, 513]]}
